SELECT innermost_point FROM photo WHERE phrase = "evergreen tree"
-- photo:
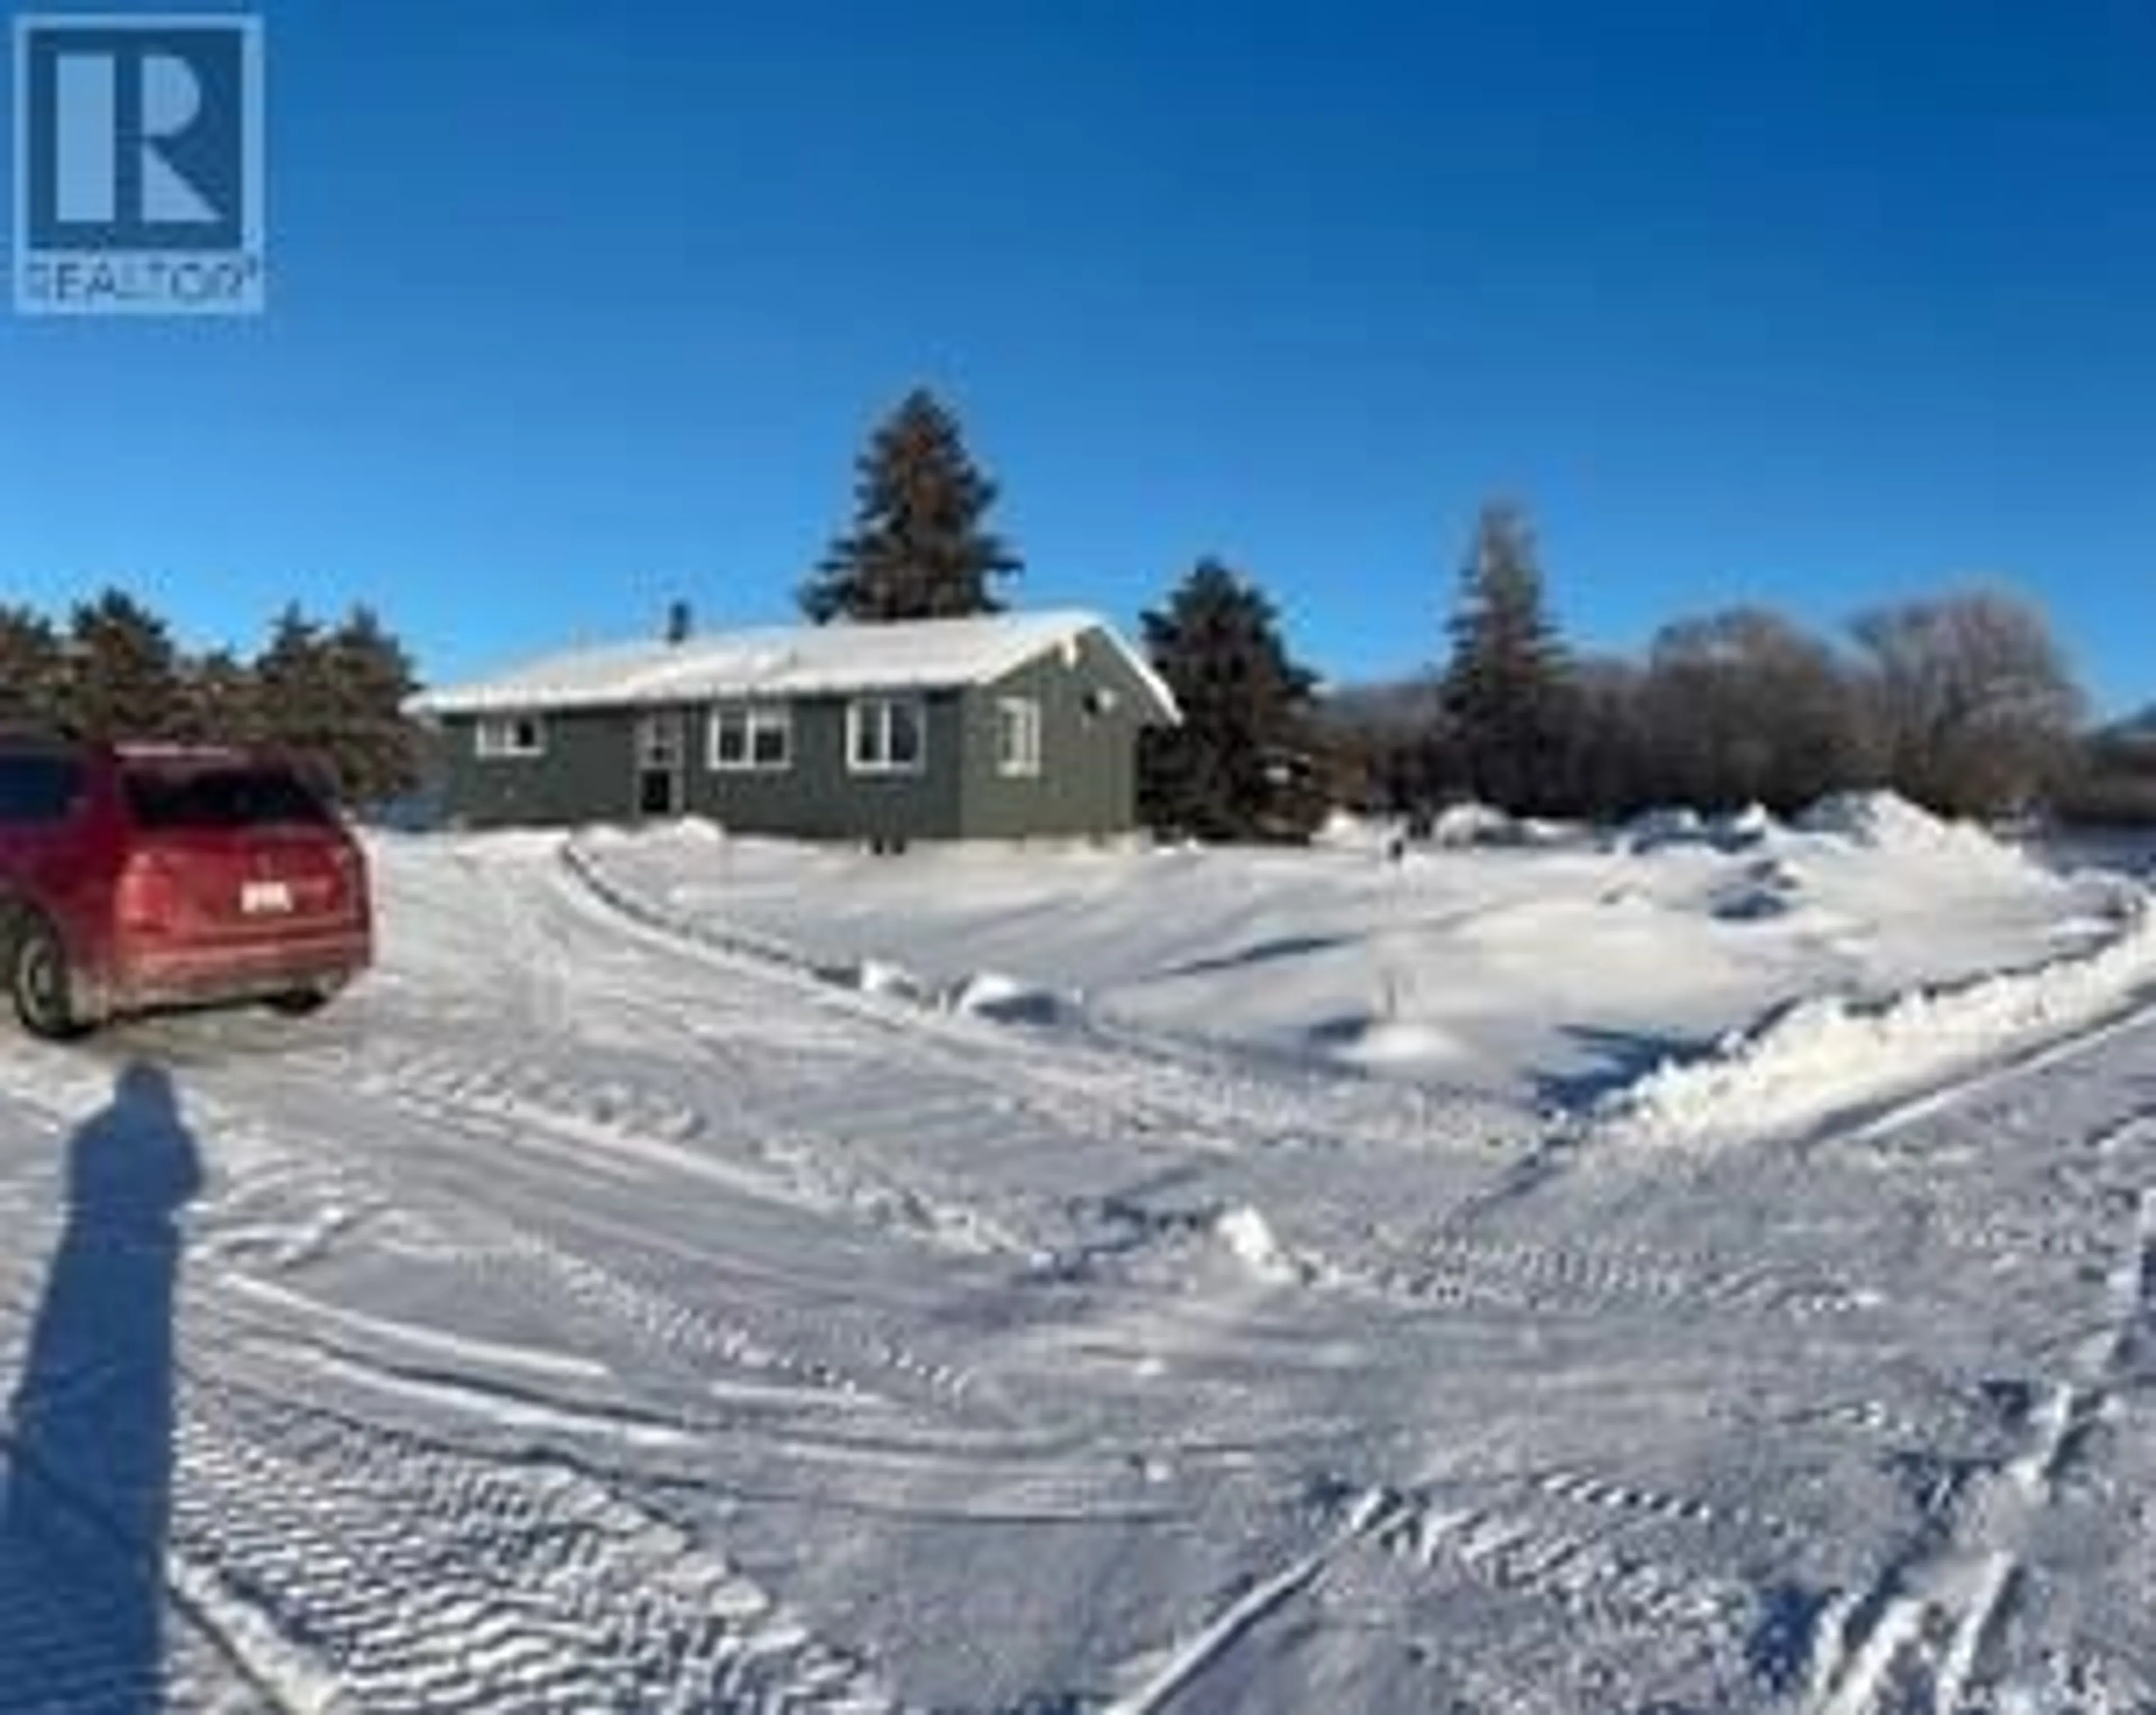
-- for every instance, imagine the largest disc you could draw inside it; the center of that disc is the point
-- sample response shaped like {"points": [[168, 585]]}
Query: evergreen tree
{"points": [[333, 698], [33, 669], [1229, 771], [123, 678], [217, 701], [376, 748], [297, 705], [1507, 684], [918, 549]]}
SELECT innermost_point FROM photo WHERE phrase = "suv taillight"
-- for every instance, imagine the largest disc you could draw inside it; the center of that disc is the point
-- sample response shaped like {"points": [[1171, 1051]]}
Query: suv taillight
{"points": [[148, 897]]}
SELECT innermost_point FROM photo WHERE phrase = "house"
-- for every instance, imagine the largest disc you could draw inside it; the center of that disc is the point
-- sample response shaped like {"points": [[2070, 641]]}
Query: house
{"points": [[1002, 726]]}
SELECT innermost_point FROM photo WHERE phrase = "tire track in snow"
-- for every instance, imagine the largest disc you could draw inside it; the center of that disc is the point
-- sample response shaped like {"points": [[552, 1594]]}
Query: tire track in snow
{"points": [[282, 1568], [1523, 1274], [339, 1566], [464, 1224], [48, 1653], [496, 1224], [1538, 1545], [1884, 1121], [630, 1130], [1532, 1545], [1929, 1616], [1178, 1666], [410, 1578], [1212, 1107]]}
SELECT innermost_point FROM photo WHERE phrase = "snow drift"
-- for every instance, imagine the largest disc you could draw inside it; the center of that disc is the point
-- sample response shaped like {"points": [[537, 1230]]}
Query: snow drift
{"points": [[1824, 1057], [1538, 965]]}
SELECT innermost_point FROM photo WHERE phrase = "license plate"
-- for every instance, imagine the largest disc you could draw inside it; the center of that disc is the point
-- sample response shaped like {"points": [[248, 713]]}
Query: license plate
{"points": [[258, 898]]}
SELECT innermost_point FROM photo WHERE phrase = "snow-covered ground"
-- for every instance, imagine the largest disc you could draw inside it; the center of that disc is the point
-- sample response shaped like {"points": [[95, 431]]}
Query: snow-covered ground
{"points": [[1543, 964], [681, 1279]]}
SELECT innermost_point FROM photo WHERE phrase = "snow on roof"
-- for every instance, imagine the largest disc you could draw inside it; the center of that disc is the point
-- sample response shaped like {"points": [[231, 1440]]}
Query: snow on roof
{"points": [[805, 660]]}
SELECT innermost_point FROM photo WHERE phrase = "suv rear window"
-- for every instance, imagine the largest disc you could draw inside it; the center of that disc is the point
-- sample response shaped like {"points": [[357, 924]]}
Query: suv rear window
{"points": [[35, 788], [221, 798]]}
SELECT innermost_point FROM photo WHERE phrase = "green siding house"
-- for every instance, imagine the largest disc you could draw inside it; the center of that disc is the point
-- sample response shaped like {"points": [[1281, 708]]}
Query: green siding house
{"points": [[1006, 726]]}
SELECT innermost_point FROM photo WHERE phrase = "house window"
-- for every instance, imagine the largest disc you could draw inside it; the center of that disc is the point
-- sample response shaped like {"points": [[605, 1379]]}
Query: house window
{"points": [[751, 737], [886, 735], [1018, 736], [498, 737]]}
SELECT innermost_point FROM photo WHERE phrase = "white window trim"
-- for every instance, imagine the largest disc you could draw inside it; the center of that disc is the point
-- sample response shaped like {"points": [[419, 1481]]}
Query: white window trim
{"points": [[1025, 763], [495, 740], [883, 706], [754, 718]]}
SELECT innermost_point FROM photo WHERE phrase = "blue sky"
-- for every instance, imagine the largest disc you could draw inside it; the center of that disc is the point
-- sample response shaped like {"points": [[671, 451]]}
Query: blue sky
{"points": [[578, 306]]}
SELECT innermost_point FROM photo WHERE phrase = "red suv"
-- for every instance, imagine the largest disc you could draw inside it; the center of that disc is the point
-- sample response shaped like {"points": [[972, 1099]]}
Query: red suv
{"points": [[136, 877]]}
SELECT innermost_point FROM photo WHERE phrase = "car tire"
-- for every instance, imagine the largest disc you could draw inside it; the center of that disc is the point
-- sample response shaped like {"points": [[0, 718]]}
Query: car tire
{"points": [[41, 983]]}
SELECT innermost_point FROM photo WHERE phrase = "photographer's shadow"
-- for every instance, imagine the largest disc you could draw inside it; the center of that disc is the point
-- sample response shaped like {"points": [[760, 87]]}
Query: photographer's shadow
{"points": [[86, 1464]]}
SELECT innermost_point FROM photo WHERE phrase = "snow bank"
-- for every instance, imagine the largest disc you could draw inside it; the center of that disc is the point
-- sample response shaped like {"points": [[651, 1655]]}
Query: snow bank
{"points": [[1826, 1056], [1343, 830], [1462, 824], [1249, 1238], [881, 976], [1651, 830], [1664, 830], [1772, 887], [988, 994], [1887, 823], [1752, 823], [1878, 824], [1520, 960], [1400, 1043]]}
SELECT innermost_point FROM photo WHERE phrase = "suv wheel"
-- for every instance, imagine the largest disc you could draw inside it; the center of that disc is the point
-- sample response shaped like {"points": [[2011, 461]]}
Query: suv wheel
{"points": [[39, 984]]}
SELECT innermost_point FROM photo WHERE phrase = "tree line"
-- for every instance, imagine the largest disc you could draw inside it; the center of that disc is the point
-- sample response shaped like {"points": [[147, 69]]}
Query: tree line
{"points": [[1963, 702], [329, 692]]}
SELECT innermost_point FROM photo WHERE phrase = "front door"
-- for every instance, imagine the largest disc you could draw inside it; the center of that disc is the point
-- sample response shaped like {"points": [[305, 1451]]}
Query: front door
{"points": [[662, 753]]}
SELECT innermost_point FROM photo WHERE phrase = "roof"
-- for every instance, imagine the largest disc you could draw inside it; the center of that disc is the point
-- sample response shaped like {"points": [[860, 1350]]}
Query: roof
{"points": [[784, 661]]}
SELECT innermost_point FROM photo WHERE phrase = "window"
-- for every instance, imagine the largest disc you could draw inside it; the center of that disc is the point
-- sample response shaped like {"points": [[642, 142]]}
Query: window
{"points": [[755, 737], [886, 735], [499, 736], [659, 742], [1018, 736], [38, 788], [222, 798]]}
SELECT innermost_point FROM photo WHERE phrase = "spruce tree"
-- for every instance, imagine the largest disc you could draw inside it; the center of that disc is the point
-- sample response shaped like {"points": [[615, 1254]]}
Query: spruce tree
{"points": [[33, 669], [217, 701], [375, 748], [123, 678], [1226, 772], [1506, 691], [296, 699], [918, 548]]}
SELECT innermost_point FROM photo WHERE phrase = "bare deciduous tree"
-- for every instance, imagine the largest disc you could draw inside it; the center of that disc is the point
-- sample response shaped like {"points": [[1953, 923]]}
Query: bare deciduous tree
{"points": [[1744, 707], [1976, 704]]}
